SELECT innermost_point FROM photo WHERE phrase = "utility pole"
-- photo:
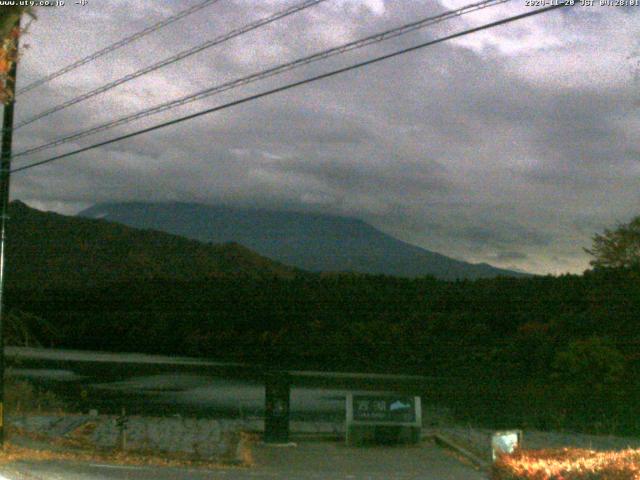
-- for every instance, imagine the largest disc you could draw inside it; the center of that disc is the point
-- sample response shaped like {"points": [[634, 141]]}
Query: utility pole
{"points": [[5, 169]]}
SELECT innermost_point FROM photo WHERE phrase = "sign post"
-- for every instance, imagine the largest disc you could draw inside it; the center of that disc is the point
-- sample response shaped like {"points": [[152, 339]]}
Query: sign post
{"points": [[369, 414]]}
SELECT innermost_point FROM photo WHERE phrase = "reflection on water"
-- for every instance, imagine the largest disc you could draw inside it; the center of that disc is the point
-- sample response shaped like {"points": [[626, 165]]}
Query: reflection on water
{"points": [[157, 383], [202, 391], [49, 374]]}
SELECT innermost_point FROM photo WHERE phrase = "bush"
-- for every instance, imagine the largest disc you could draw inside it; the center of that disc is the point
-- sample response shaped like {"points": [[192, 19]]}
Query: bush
{"points": [[591, 383], [23, 397], [568, 464]]}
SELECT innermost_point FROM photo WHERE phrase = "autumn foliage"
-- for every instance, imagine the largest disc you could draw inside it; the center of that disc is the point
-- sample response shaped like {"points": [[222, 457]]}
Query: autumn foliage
{"points": [[9, 35], [8, 55], [568, 464]]}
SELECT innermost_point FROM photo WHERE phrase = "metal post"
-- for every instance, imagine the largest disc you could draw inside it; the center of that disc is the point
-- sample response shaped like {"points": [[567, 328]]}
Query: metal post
{"points": [[5, 168], [276, 415], [122, 423]]}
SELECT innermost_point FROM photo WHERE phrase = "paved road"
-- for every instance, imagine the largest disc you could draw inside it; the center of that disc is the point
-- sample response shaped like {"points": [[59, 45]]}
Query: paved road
{"points": [[308, 461]]}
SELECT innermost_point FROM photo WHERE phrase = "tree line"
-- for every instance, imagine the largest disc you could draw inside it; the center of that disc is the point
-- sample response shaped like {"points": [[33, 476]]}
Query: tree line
{"points": [[552, 351]]}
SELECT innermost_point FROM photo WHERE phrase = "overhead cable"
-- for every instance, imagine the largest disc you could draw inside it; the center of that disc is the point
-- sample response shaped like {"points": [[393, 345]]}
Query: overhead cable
{"points": [[293, 85], [114, 46], [279, 69], [173, 59]]}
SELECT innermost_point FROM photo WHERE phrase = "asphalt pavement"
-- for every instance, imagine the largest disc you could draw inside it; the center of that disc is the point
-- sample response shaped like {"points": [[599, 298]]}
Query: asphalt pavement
{"points": [[308, 460]]}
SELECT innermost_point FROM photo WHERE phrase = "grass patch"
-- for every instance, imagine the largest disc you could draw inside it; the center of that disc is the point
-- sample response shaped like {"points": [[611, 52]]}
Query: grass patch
{"points": [[568, 464], [15, 453]]}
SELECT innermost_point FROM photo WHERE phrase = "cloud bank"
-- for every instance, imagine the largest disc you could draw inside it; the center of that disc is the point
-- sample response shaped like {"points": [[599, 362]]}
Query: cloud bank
{"points": [[511, 146]]}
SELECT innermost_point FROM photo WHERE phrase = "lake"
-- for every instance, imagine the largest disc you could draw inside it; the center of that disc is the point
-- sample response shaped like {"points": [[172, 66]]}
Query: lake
{"points": [[161, 385]]}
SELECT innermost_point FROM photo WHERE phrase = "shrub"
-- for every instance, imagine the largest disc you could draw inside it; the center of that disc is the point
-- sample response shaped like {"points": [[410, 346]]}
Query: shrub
{"points": [[23, 397], [591, 382], [568, 464]]}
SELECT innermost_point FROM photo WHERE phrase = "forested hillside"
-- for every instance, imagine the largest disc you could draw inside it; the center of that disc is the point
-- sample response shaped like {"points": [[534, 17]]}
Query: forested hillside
{"points": [[310, 241], [50, 250]]}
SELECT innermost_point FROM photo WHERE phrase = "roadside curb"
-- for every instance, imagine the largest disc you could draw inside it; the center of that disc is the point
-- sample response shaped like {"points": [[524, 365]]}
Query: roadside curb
{"points": [[446, 442]]}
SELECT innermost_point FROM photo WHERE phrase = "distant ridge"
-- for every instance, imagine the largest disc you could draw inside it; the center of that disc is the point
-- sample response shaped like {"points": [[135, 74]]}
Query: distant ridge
{"points": [[314, 242], [46, 249]]}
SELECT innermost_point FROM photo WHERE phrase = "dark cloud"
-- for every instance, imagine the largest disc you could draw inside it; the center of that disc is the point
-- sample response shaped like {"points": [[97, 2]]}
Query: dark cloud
{"points": [[503, 256], [510, 234], [511, 146]]}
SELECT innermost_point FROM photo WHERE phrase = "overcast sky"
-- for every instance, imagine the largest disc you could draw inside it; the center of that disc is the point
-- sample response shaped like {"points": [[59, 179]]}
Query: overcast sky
{"points": [[511, 146]]}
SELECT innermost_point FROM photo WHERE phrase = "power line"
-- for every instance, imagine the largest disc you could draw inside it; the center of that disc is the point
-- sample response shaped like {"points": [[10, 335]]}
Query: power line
{"points": [[284, 67], [293, 85], [173, 59], [116, 45]]}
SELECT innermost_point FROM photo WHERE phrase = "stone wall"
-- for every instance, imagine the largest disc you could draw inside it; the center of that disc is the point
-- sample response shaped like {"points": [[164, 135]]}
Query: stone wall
{"points": [[202, 438]]}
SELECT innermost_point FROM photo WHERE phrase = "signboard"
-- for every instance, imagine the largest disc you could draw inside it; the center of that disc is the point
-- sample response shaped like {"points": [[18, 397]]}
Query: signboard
{"points": [[505, 442], [383, 409]]}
